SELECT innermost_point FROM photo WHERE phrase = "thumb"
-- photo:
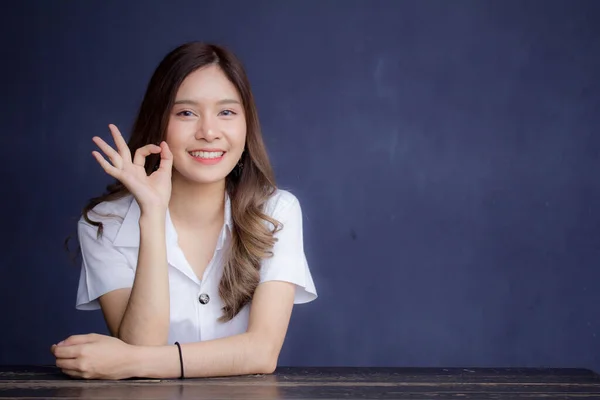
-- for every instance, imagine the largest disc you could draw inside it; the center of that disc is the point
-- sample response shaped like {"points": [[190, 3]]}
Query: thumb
{"points": [[166, 157]]}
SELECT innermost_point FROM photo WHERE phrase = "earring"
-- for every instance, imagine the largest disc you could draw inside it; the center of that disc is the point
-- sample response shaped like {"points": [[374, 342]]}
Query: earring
{"points": [[237, 171]]}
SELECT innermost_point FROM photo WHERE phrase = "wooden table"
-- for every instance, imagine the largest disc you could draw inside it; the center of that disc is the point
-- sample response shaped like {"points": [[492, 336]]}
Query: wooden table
{"points": [[37, 382]]}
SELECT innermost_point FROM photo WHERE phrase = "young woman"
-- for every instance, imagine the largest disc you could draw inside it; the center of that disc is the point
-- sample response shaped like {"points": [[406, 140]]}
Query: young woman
{"points": [[193, 255]]}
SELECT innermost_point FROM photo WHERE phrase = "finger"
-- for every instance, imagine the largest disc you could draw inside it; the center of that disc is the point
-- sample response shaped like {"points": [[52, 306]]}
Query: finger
{"points": [[106, 166], [166, 158], [120, 143], [73, 373], [114, 157], [79, 339], [68, 351], [143, 152], [68, 363]]}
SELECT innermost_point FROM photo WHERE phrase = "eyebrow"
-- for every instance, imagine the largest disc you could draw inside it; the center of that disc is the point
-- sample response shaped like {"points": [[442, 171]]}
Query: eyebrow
{"points": [[195, 103]]}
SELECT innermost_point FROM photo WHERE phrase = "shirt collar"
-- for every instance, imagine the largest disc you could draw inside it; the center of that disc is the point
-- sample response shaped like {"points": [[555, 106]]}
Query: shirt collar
{"points": [[129, 232], [228, 222]]}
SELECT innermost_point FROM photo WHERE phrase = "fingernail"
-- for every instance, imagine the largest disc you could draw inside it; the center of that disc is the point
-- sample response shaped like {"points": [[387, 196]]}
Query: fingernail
{"points": [[59, 343]]}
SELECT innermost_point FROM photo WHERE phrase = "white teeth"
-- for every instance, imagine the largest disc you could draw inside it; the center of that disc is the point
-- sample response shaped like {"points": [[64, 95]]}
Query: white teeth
{"points": [[206, 154]]}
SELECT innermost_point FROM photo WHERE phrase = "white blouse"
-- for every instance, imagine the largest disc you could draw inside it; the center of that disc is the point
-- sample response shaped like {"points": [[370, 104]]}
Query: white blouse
{"points": [[109, 263]]}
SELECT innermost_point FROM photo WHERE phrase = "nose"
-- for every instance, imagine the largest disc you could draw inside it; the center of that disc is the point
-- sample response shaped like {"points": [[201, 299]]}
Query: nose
{"points": [[207, 129]]}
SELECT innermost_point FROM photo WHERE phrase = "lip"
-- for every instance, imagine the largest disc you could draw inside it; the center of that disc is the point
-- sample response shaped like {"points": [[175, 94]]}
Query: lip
{"points": [[207, 161], [206, 149]]}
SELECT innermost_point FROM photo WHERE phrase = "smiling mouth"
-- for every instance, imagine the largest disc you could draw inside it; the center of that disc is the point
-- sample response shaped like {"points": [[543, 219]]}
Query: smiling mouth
{"points": [[207, 155]]}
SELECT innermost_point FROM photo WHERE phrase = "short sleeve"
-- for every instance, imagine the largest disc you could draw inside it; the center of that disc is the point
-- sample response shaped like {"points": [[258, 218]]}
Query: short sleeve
{"points": [[288, 262], [103, 269]]}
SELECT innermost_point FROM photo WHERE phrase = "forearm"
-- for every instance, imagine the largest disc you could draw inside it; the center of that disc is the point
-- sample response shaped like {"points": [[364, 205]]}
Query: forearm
{"points": [[146, 318], [241, 354]]}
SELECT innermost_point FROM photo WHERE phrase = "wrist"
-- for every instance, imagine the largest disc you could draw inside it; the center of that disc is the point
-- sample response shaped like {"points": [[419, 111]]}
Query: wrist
{"points": [[153, 216], [136, 359], [161, 362]]}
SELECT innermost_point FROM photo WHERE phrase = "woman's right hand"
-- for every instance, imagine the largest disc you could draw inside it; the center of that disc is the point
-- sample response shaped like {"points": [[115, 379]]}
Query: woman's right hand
{"points": [[151, 192]]}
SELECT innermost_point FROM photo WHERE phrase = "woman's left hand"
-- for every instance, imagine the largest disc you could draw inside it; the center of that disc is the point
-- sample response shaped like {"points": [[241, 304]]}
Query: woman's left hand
{"points": [[95, 356]]}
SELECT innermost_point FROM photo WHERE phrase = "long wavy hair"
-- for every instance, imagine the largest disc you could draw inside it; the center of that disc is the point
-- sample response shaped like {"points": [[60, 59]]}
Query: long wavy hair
{"points": [[249, 187]]}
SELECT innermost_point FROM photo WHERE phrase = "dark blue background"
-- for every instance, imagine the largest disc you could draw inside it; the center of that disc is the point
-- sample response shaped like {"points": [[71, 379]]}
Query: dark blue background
{"points": [[446, 154]]}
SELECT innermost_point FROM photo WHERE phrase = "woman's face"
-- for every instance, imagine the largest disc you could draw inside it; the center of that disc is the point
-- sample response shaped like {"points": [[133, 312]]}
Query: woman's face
{"points": [[207, 127]]}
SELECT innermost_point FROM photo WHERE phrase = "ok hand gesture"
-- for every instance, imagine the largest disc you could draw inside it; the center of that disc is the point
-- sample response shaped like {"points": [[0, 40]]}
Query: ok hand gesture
{"points": [[151, 192]]}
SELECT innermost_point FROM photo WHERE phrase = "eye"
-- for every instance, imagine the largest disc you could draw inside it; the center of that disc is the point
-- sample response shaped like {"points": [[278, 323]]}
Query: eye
{"points": [[185, 113], [227, 113]]}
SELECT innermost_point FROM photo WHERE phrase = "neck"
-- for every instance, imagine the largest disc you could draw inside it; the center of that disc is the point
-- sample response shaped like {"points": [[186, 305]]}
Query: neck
{"points": [[197, 205]]}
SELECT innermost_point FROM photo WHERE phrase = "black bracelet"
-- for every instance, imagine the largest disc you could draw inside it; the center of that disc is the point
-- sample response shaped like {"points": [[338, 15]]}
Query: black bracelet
{"points": [[180, 360]]}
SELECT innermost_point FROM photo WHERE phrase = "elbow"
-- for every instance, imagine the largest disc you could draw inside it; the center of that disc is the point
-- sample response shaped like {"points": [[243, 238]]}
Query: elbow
{"points": [[265, 366], [261, 353], [142, 340], [268, 367], [145, 342], [266, 358]]}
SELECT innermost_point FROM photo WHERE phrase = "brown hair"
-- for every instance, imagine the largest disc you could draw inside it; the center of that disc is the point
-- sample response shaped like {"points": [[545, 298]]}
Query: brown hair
{"points": [[249, 187]]}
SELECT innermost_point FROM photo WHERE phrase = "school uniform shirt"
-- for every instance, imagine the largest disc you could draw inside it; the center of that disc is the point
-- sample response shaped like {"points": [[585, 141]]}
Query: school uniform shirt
{"points": [[109, 263]]}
